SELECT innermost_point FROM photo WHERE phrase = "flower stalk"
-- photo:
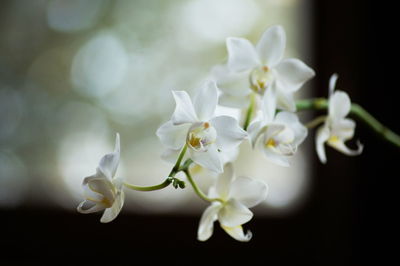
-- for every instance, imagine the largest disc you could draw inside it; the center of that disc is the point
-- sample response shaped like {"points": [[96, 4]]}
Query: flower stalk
{"points": [[198, 190], [177, 165], [316, 121], [249, 112], [164, 184], [356, 110], [170, 179]]}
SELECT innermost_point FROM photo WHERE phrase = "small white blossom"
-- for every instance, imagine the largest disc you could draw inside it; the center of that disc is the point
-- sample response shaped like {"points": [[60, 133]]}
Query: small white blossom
{"points": [[259, 69], [337, 129], [195, 125], [277, 135], [237, 195], [102, 191]]}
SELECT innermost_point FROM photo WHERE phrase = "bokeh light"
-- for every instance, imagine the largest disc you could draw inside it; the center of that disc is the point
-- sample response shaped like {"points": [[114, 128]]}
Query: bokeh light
{"points": [[74, 15]]}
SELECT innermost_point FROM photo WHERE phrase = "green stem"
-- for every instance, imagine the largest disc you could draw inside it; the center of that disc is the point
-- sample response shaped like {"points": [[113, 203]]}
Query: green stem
{"points": [[316, 121], [312, 104], [356, 110], [197, 189], [164, 184], [371, 121], [185, 165], [177, 165], [249, 112], [170, 179]]}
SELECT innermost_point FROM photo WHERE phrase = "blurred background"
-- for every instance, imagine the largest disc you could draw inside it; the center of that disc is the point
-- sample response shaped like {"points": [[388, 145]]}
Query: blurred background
{"points": [[73, 73], [76, 72]]}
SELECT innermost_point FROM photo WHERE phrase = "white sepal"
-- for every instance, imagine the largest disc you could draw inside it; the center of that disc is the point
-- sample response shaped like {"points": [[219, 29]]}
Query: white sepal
{"points": [[172, 136], [206, 225], [271, 46], [293, 73], [321, 137], [248, 191], [109, 163], [184, 110], [242, 55], [229, 133], [209, 159], [238, 233], [234, 213], [206, 101]]}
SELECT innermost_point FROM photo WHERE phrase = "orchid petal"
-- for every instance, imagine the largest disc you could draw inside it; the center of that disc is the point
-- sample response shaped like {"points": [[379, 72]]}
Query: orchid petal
{"points": [[94, 208], [332, 83], [271, 46], [101, 186], [343, 129], [111, 213], [212, 193], [292, 121], [229, 155], [321, 137], [90, 194], [241, 54], [208, 159], [339, 105], [340, 146], [234, 213], [206, 101], [284, 100], [293, 73], [229, 133], [109, 163], [184, 110], [237, 233], [230, 82], [248, 191], [173, 136], [269, 106], [224, 181], [206, 225], [274, 157], [272, 130], [255, 130]]}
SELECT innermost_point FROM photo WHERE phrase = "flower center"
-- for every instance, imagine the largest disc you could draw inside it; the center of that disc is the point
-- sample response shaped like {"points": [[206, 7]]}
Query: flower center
{"points": [[260, 79], [201, 136], [333, 138], [281, 141]]}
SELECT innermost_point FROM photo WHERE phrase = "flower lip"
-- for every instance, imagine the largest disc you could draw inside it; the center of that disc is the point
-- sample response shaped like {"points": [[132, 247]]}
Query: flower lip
{"points": [[200, 136], [280, 141]]}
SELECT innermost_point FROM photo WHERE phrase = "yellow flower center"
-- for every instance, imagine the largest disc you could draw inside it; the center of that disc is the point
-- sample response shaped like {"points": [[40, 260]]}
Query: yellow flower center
{"points": [[270, 143], [201, 136], [260, 79], [333, 139]]}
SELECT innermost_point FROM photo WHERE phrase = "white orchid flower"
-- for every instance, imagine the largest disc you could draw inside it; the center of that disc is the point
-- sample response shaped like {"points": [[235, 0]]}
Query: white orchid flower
{"points": [[237, 196], [337, 129], [194, 124], [259, 69], [102, 191], [277, 135]]}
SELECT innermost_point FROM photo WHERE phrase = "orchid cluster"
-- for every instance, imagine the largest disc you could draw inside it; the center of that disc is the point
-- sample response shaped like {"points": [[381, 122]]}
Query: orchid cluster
{"points": [[261, 83]]}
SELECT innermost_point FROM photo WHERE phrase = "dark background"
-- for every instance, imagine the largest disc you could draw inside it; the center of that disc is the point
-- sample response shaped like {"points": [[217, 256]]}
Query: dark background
{"points": [[345, 220]]}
